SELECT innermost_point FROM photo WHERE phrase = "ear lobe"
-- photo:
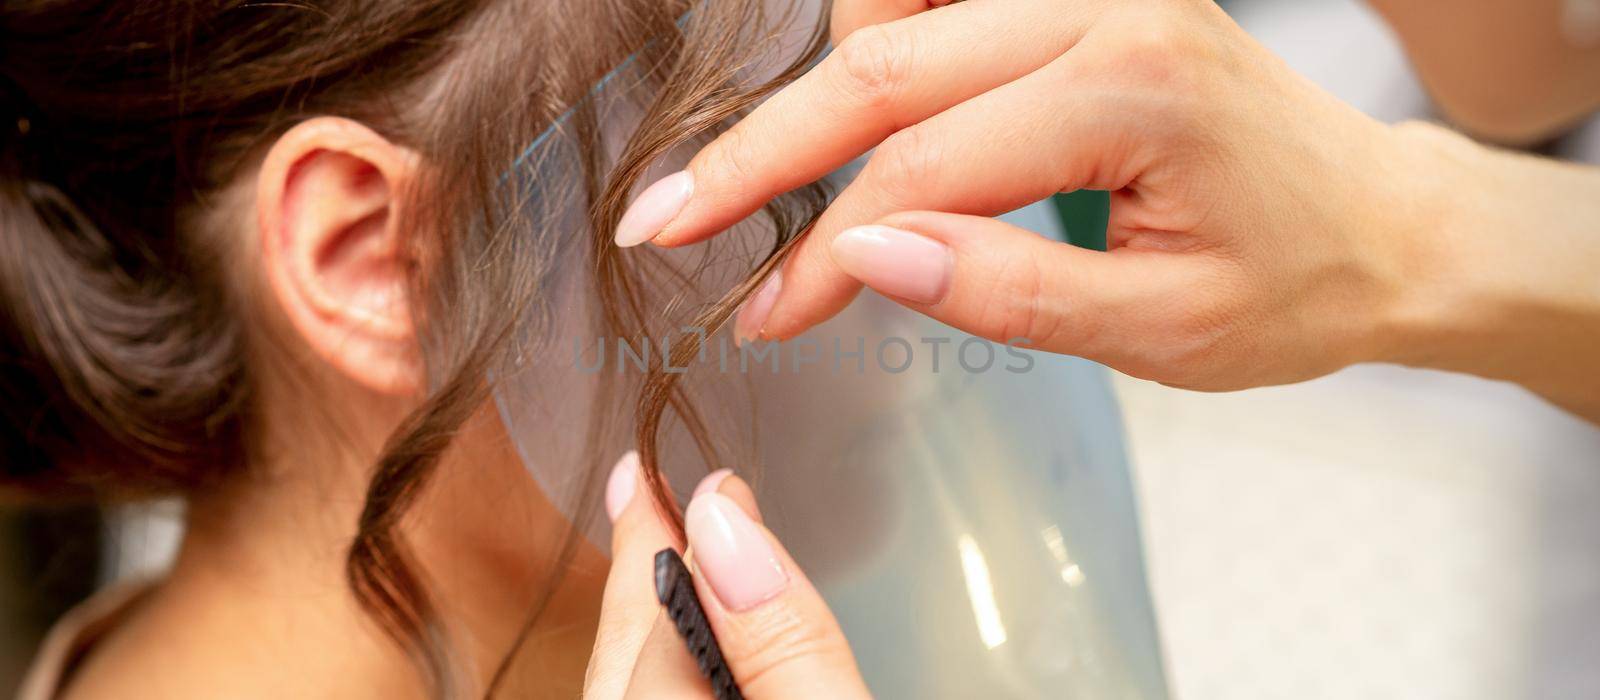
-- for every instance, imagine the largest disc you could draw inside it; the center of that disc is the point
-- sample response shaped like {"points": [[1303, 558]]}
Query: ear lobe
{"points": [[331, 247]]}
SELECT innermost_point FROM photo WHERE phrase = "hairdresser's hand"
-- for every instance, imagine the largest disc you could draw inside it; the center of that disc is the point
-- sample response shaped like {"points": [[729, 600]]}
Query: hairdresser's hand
{"points": [[776, 633], [1260, 229]]}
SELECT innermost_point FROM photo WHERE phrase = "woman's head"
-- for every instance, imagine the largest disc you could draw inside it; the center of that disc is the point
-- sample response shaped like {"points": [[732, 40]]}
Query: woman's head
{"points": [[212, 211], [123, 254]]}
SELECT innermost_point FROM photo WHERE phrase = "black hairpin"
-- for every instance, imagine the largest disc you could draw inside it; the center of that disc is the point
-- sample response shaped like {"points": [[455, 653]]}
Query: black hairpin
{"points": [[675, 590]]}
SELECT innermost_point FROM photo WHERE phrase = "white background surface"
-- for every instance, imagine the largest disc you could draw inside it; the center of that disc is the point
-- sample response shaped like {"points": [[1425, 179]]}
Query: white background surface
{"points": [[1380, 533]]}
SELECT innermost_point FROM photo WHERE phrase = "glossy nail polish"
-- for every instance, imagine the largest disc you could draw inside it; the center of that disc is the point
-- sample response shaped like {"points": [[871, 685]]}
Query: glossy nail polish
{"points": [[895, 262], [753, 316], [620, 485], [711, 482], [656, 207], [733, 553]]}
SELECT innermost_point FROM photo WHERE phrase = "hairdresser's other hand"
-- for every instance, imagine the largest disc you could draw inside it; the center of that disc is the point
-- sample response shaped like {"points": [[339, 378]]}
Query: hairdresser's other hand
{"points": [[1260, 229], [776, 633]]}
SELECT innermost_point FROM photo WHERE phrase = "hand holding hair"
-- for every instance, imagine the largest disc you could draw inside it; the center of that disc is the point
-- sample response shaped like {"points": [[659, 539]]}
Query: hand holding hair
{"points": [[775, 633], [1261, 231]]}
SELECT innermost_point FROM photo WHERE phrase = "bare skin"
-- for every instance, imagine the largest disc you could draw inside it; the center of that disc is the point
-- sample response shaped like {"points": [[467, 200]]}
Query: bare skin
{"points": [[782, 643], [257, 604], [1412, 265], [1262, 232], [1510, 71]]}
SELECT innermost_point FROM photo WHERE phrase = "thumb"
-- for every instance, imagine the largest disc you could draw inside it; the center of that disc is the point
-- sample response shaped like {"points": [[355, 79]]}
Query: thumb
{"points": [[776, 633], [1013, 286]]}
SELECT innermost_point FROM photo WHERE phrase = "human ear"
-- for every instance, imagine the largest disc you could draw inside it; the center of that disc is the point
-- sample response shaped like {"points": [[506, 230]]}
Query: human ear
{"points": [[328, 218]]}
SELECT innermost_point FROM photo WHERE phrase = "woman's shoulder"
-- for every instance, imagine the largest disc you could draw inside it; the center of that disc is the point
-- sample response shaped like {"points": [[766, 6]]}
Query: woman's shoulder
{"points": [[199, 637], [70, 640], [140, 640]]}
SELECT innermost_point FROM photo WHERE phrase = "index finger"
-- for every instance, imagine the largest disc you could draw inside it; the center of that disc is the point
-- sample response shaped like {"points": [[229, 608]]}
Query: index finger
{"points": [[881, 79]]}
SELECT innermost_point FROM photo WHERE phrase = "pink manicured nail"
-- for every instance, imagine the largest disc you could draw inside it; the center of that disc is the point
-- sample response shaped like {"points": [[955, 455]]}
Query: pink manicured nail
{"points": [[895, 262], [656, 207], [619, 487], [733, 553], [747, 326], [711, 482]]}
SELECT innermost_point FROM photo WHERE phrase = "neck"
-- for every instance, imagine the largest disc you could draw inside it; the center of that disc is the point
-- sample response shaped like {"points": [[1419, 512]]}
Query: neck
{"points": [[269, 556]]}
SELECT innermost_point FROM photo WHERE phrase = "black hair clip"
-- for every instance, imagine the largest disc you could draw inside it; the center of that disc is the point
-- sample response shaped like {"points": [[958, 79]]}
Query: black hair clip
{"points": [[675, 590]]}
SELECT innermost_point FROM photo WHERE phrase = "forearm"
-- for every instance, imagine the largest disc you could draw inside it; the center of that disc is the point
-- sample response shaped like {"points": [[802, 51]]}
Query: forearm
{"points": [[1508, 272], [1513, 71]]}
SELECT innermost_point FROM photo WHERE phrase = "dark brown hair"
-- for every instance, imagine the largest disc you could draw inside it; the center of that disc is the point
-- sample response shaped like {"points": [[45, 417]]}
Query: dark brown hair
{"points": [[122, 362]]}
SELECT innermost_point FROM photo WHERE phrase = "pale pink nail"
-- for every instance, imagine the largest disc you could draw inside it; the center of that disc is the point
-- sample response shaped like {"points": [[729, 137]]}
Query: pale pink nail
{"points": [[711, 482], [619, 487], [895, 262], [753, 317], [733, 553], [656, 207]]}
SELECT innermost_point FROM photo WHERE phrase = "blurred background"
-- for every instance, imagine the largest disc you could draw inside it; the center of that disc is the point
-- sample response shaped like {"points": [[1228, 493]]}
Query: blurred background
{"points": [[1379, 533], [1382, 532]]}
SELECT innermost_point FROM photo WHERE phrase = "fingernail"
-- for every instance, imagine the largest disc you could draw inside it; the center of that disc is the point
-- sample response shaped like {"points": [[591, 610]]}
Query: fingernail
{"points": [[656, 207], [711, 482], [733, 553], [747, 327], [619, 487], [895, 262]]}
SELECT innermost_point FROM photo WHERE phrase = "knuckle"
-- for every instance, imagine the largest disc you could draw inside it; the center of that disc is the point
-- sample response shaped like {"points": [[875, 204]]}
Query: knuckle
{"points": [[779, 639], [1159, 51], [873, 62], [1020, 315], [1196, 353], [734, 158], [906, 162], [1017, 308]]}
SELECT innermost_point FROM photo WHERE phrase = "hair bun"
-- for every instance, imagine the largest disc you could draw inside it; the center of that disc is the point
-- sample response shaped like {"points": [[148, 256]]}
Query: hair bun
{"points": [[113, 376]]}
